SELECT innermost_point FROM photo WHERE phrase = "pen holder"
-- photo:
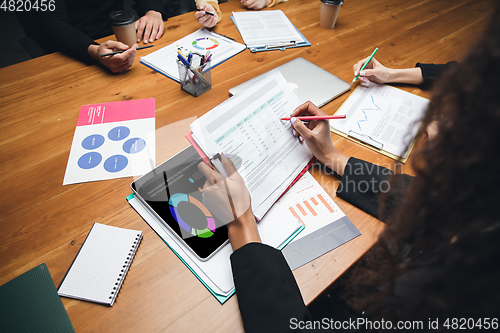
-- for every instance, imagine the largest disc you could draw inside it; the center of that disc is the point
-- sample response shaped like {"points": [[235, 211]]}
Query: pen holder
{"points": [[195, 80]]}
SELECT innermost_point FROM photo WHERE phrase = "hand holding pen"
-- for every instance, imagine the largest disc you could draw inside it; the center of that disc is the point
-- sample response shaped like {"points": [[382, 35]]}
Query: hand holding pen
{"points": [[206, 15], [363, 64]]}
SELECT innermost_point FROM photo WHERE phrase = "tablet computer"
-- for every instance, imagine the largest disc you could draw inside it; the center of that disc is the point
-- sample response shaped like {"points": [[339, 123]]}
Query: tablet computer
{"points": [[173, 192]]}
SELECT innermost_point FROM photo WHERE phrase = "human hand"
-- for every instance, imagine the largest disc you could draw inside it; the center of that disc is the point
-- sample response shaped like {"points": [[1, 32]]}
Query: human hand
{"points": [[118, 62], [206, 20], [432, 130], [317, 136], [374, 71], [150, 27], [229, 200], [256, 4]]}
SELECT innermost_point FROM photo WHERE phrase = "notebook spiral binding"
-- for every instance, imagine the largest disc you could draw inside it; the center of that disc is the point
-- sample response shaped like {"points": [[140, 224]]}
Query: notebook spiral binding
{"points": [[126, 267]]}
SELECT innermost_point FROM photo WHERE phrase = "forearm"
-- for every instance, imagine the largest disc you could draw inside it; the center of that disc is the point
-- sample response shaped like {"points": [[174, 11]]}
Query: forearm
{"points": [[335, 160], [406, 75], [274, 2], [243, 231]]}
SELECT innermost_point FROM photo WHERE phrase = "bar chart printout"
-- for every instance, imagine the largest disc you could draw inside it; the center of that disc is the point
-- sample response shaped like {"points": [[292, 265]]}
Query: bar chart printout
{"points": [[326, 226], [309, 203]]}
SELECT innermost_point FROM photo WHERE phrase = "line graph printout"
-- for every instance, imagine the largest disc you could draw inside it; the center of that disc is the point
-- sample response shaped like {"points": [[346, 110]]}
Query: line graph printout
{"points": [[382, 116]]}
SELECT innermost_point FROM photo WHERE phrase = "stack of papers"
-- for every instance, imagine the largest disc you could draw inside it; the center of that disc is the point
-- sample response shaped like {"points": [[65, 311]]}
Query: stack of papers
{"points": [[277, 230], [248, 129]]}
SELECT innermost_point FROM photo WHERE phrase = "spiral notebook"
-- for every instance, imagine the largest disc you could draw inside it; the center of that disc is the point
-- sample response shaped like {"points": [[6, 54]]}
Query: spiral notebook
{"points": [[99, 268]]}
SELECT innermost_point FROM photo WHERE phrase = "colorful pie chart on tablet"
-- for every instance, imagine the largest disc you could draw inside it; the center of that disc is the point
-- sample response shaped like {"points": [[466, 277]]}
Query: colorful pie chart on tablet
{"points": [[191, 215]]}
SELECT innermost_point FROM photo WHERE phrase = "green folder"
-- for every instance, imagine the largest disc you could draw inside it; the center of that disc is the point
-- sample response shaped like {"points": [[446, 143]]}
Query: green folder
{"points": [[29, 303]]}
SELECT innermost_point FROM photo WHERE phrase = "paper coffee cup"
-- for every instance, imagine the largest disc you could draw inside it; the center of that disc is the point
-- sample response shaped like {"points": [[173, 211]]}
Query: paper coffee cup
{"points": [[123, 26], [329, 12]]}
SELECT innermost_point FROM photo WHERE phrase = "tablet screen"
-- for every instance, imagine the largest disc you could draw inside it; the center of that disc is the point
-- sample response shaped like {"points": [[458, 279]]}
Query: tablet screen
{"points": [[174, 191]]}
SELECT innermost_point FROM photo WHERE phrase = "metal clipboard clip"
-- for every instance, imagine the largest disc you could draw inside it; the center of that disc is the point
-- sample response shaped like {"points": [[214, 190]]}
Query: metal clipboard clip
{"points": [[366, 139], [281, 46]]}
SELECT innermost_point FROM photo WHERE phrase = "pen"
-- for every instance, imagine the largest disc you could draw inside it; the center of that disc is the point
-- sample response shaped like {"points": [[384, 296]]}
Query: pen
{"points": [[307, 118], [366, 63], [193, 70], [121, 51], [200, 10]]}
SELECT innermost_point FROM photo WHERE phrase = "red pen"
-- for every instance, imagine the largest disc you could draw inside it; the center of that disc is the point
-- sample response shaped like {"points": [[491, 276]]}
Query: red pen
{"points": [[308, 118]]}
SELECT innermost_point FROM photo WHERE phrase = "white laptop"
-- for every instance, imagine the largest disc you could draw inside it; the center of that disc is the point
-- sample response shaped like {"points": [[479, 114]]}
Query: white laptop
{"points": [[308, 81]]}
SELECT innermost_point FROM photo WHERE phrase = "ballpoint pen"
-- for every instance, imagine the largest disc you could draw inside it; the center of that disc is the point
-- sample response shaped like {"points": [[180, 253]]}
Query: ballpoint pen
{"points": [[309, 118], [192, 69], [121, 51], [366, 63]]}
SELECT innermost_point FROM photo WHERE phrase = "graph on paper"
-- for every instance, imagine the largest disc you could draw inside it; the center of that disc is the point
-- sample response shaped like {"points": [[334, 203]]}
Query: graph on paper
{"points": [[384, 118], [310, 203], [373, 108]]}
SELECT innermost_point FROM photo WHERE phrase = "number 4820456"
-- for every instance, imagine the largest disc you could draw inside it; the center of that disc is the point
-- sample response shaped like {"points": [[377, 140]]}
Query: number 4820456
{"points": [[28, 5]]}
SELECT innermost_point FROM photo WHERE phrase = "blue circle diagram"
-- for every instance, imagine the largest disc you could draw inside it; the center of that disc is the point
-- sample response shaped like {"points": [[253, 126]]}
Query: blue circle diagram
{"points": [[118, 133], [133, 146], [89, 160], [115, 163], [93, 141]]}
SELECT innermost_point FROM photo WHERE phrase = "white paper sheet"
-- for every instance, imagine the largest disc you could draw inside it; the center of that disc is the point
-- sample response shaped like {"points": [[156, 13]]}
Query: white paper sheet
{"points": [[259, 28], [247, 128], [200, 41], [382, 116]]}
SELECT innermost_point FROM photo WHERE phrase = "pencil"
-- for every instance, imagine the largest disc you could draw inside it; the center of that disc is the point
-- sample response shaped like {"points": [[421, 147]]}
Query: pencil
{"points": [[366, 63], [121, 51], [308, 118]]}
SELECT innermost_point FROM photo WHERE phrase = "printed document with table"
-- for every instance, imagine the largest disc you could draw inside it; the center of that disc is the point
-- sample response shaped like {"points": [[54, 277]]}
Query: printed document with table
{"points": [[247, 128]]}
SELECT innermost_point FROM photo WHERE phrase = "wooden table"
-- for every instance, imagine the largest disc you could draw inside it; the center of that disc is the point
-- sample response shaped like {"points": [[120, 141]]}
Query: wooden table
{"points": [[45, 222]]}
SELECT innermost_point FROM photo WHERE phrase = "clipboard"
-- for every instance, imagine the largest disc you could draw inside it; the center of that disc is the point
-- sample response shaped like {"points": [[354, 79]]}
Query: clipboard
{"points": [[368, 141], [277, 46]]}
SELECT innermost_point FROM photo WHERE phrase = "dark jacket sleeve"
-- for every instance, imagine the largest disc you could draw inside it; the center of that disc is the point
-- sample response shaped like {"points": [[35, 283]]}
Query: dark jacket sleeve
{"points": [[430, 72], [57, 34], [268, 295], [364, 182]]}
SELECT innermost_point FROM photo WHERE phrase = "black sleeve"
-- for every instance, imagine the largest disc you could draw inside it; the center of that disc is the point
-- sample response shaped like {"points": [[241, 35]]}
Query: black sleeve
{"points": [[430, 72], [59, 35], [268, 295], [364, 182], [147, 5]]}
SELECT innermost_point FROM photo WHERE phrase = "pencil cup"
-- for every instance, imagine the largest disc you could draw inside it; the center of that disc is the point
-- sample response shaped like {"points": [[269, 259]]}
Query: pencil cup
{"points": [[195, 80], [329, 12]]}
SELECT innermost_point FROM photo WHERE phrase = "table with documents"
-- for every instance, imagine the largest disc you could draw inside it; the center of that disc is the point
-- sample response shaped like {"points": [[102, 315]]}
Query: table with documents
{"points": [[44, 221]]}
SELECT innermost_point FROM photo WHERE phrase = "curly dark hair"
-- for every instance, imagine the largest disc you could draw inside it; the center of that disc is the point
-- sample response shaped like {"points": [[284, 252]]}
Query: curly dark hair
{"points": [[440, 251]]}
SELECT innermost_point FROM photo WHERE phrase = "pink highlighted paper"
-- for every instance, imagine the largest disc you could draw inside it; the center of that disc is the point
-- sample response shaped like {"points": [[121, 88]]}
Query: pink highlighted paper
{"points": [[131, 153], [116, 111]]}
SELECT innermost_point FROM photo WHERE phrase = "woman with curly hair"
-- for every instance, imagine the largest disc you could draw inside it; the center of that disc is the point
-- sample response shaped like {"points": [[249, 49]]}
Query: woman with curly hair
{"points": [[438, 257]]}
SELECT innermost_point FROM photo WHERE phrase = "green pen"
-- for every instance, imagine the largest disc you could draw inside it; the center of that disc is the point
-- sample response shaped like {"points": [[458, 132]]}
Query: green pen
{"points": [[366, 63]]}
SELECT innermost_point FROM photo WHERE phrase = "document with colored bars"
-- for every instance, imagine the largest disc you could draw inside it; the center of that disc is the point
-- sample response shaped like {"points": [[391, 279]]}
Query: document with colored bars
{"points": [[326, 226]]}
